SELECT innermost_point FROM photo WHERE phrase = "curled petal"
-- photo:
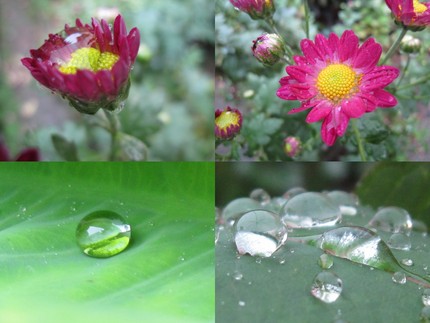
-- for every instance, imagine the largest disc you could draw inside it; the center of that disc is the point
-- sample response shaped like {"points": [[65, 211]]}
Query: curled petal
{"points": [[353, 107], [320, 111]]}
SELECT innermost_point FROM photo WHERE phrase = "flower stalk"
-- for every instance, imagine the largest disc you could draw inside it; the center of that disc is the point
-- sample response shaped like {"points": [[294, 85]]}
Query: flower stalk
{"points": [[395, 45]]}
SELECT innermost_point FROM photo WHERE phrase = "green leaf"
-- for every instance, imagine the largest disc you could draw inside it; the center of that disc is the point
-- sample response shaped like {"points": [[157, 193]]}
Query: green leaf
{"points": [[277, 289], [398, 184], [165, 275]]}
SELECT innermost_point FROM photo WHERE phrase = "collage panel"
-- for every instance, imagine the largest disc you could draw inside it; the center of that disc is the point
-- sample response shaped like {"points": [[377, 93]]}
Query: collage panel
{"points": [[322, 242], [106, 242], [106, 80], [301, 80]]}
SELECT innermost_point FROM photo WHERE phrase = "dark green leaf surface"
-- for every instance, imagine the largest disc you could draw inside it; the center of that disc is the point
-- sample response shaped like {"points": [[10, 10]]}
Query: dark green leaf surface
{"points": [[406, 185], [165, 275], [275, 292]]}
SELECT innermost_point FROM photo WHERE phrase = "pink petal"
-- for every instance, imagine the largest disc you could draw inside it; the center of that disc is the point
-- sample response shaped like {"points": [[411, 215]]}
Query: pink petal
{"points": [[328, 135], [348, 45], [300, 60], [333, 42], [369, 101], [105, 82], [368, 57], [320, 111], [310, 50], [353, 107], [380, 77], [133, 39], [305, 105], [119, 29], [298, 72], [323, 46], [385, 99]]}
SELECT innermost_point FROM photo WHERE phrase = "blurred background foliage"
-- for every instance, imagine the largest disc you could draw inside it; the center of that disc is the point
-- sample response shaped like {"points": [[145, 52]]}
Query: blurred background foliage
{"points": [[377, 184], [401, 133], [170, 103]]}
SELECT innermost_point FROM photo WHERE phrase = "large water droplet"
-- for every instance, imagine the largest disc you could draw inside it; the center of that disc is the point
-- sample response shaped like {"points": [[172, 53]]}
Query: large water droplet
{"points": [[399, 241], [327, 287], [347, 202], [407, 262], [259, 233], [392, 219], [310, 210], [325, 261], [359, 245], [426, 297], [399, 278], [261, 196], [103, 234], [237, 207]]}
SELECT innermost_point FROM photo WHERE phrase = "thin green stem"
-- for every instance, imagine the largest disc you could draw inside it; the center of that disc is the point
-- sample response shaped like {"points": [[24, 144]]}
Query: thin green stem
{"points": [[417, 82], [395, 45], [357, 134], [307, 17], [114, 126], [405, 69]]}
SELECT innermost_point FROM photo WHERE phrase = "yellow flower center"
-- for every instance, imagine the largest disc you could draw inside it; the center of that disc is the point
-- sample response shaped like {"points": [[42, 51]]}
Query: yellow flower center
{"points": [[227, 119], [89, 59], [337, 81], [419, 8]]}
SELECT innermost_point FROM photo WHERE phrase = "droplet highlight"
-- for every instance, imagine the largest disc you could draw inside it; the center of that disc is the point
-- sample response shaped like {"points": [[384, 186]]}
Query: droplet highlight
{"points": [[259, 233], [392, 219], [327, 287], [103, 234], [310, 210], [426, 297]]}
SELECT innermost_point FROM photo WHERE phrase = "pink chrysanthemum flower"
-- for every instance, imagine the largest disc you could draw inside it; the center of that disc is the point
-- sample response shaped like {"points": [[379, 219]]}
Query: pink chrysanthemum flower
{"points": [[228, 123], [88, 65], [410, 13], [339, 80], [256, 9]]}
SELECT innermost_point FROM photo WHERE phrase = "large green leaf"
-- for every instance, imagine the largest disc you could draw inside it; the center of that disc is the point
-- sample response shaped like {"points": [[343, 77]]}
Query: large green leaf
{"points": [[398, 184], [165, 275]]}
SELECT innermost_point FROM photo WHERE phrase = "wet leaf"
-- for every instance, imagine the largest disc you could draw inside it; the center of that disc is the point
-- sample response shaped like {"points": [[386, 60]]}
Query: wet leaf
{"points": [[164, 275]]}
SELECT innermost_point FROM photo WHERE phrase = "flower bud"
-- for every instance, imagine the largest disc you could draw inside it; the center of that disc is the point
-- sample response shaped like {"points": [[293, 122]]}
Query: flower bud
{"points": [[228, 123], [410, 45], [292, 146], [268, 49], [256, 9]]}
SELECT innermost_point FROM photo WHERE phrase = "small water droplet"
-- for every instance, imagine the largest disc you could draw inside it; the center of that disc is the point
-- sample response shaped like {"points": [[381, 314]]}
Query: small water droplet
{"points": [[325, 261], [399, 241], [293, 192], [259, 233], [282, 261], [258, 260], [399, 278], [103, 234], [237, 275], [242, 303], [310, 210], [392, 219], [426, 297], [261, 196], [327, 287], [407, 262]]}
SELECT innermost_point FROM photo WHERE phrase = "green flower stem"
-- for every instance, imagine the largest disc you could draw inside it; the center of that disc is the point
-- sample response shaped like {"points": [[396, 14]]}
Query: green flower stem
{"points": [[417, 82], [307, 17], [405, 69], [114, 127], [288, 50], [357, 134], [396, 45]]}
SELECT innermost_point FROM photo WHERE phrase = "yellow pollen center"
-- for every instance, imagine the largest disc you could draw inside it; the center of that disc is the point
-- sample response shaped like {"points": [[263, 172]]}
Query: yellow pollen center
{"points": [[337, 81], [89, 59], [227, 119], [419, 7]]}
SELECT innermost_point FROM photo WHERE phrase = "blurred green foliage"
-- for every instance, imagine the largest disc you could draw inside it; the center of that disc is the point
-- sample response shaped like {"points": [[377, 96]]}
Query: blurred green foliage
{"points": [[171, 98], [400, 133]]}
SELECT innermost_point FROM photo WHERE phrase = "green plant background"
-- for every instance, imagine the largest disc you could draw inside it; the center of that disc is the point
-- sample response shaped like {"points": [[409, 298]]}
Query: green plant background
{"points": [[274, 292], [165, 275]]}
